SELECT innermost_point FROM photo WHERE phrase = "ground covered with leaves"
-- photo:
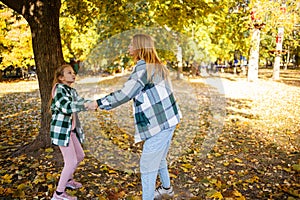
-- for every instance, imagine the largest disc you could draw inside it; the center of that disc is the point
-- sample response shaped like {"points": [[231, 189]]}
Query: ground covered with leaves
{"points": [[237, 140]]}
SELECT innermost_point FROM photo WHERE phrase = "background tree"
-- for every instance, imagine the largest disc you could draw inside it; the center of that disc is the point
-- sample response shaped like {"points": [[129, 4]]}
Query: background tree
{"points": [[15, 40], [43, 19], [270, 14]]}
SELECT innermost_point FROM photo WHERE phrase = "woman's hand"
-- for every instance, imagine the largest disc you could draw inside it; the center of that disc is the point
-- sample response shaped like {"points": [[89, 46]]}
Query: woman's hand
{"points": [[91, 106]]}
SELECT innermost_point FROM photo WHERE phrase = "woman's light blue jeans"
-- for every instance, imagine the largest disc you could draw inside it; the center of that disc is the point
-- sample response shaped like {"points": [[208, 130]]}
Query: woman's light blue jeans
{"points": [[153, 161]]}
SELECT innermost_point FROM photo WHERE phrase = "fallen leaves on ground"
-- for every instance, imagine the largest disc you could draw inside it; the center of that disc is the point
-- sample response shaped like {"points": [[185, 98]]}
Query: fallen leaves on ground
{"points": [[252, 154]]}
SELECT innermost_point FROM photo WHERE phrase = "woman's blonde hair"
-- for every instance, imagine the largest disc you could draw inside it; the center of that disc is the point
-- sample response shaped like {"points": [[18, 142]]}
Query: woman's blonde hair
{"points": [[144, 49]]}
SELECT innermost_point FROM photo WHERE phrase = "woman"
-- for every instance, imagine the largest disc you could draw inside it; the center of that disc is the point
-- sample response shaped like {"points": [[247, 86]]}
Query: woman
{"points": [[156, 113]]}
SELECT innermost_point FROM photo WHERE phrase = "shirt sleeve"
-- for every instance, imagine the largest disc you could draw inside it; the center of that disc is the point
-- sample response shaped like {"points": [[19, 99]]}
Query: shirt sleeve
{"points": [[130, 89], [65, 103], [81, 100]]}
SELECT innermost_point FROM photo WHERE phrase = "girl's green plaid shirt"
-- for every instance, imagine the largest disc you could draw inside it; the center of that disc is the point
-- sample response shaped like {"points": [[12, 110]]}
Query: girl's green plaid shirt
{"points": [[155, 108], [65, 102]]}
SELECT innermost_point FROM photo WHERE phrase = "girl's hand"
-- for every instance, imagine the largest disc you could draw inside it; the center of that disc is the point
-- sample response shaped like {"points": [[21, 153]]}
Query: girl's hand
{"points": [[91, 106]]}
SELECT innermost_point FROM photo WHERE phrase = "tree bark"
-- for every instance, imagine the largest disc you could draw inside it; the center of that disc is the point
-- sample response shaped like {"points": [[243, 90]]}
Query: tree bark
{"points": [[43, 19]]}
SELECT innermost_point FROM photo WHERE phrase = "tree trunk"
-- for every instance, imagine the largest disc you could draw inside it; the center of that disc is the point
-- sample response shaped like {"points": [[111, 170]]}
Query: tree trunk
{"points": [[179, 61], [297, 58], [287, 59], [43, 19], [276, 68], [279, 40], [254, 56]]}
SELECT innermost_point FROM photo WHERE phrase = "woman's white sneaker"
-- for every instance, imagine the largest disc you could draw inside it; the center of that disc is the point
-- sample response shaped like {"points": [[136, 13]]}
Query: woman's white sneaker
{"points": [[161, 192]]}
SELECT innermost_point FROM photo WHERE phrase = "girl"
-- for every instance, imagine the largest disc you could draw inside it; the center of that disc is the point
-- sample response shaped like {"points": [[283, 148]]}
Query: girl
{"points": [[156, 113], [65, 130]]}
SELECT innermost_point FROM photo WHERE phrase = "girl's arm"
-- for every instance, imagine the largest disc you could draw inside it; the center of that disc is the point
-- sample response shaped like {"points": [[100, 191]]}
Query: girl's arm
{"points": [[65, 103], [81, 100]]}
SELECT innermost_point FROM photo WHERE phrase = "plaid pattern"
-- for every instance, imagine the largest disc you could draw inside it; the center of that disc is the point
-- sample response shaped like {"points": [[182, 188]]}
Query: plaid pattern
{"points": [[62, 107], [155, 107]]}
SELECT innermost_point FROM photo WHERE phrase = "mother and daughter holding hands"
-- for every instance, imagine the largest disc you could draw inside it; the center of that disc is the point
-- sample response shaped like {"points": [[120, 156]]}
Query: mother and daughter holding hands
{"points": [[156, 115]]}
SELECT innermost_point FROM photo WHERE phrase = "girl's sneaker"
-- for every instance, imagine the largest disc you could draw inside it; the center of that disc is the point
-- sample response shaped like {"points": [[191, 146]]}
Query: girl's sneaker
{"points": [[73, 184], [162, 192], [63, 196]]}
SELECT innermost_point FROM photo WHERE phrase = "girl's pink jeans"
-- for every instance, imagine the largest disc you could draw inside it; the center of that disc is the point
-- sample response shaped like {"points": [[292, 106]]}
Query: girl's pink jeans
{"points": [[73, 155]]}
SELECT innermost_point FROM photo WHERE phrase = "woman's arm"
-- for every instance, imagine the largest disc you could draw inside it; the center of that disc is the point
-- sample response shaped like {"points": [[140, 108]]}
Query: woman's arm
{"points": [[130, 89]]}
